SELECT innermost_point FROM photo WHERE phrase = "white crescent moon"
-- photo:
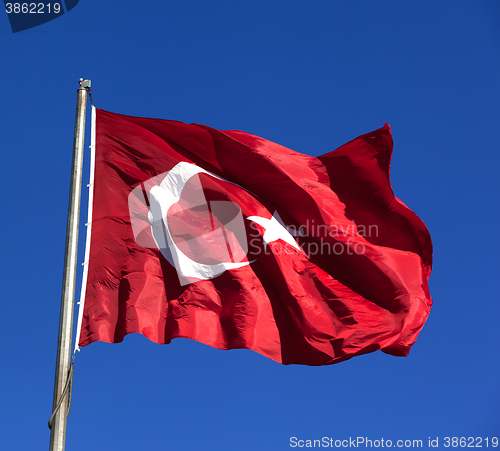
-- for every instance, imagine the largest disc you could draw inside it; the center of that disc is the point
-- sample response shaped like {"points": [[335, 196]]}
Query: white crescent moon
{"points": [[161, 198]]}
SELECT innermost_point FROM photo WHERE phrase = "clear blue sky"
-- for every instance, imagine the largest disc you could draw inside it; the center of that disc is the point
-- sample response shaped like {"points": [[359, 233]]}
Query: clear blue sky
{"points": [[308, 75]]}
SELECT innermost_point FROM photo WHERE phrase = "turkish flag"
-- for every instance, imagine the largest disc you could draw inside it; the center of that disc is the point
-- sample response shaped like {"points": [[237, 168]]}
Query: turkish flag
{"points": [[237, 242]]}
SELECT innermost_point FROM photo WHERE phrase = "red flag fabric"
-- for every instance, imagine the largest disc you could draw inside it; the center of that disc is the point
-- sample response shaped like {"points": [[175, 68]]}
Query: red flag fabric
{"points": [[237, 242]]}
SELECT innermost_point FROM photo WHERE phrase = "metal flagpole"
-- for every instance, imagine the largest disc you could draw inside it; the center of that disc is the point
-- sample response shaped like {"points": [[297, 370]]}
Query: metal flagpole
{"points": [[62, 389]]}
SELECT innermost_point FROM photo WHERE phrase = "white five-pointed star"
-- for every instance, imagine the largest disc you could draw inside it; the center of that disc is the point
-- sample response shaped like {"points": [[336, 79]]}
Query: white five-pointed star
{"points": [[275, 229]]}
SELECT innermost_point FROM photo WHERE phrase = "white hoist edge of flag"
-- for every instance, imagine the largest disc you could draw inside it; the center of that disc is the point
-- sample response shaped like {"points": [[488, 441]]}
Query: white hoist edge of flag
{"points": [[81, 303]]}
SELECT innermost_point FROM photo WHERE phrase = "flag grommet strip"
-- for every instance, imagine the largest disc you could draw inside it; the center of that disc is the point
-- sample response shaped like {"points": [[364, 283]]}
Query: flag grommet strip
{"points": [[81, 303]]}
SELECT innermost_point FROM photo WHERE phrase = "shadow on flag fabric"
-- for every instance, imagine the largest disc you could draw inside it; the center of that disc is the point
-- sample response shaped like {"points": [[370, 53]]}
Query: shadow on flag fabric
{"points": [[237, 242]]}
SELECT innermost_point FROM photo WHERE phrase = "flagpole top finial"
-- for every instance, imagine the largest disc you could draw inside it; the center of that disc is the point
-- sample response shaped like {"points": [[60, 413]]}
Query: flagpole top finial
{"points": [[84, 83]]}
